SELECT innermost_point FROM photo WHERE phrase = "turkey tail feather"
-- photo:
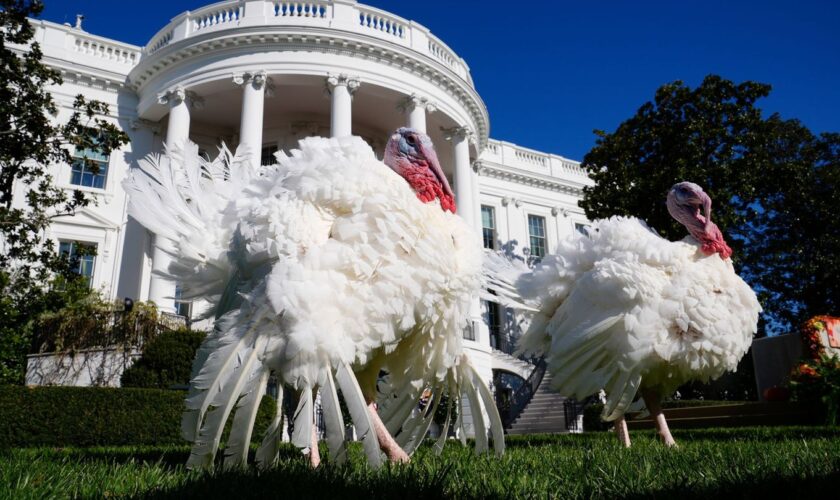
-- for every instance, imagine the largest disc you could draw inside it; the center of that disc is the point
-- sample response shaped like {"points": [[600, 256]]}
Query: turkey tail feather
{"points": [[468, 386], [303, 419], [267, 452], [444, 430], [496, 429], [334, 420], [236, 451], [359, 412], [207, 442]]}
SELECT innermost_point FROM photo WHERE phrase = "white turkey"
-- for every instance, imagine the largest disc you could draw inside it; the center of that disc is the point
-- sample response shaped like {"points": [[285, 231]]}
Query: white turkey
{"points": [[625, 310], [324, 269]]}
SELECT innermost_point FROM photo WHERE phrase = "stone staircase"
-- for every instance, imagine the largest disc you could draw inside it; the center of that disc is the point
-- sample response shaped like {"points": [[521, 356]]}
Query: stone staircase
{"points": [[544, 413]]}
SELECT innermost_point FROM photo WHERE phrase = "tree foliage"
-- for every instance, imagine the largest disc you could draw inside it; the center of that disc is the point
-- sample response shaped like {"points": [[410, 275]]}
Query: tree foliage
{"points": [[32, 143], [775, 187]]}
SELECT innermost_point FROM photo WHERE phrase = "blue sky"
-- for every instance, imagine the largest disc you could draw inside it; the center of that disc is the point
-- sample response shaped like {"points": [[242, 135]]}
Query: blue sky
{"points": [[552, 71]]}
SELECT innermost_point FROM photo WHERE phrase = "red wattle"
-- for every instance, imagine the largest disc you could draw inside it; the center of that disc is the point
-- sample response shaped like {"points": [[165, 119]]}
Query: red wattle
{"points": [[427, 187]]}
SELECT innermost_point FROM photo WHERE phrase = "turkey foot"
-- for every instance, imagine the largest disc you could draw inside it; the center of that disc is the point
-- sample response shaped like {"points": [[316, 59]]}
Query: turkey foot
{"points": [[621, 431], [652, 401], [386, 442]]}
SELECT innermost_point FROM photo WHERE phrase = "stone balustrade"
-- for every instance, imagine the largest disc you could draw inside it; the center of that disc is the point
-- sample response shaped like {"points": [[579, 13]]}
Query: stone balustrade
{"points": [[509, 154], [67, 42], [103, 50], [347, 15]]}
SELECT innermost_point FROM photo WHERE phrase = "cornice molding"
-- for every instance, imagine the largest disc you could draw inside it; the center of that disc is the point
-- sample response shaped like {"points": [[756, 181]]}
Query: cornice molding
{"points": [[529, 179]]}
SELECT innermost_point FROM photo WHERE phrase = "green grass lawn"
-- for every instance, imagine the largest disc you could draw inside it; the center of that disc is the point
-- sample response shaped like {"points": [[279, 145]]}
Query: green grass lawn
{"points": [[732, 463]]}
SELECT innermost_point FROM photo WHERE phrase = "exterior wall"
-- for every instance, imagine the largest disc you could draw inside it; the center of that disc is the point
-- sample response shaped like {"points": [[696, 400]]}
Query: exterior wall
{"points": [[404, 76], [94, 367]]}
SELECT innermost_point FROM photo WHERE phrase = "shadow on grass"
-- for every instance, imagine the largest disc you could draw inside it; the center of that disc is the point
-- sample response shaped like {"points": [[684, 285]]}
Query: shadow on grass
{"points": [[761, 434], [777, 487], [297, 480]]}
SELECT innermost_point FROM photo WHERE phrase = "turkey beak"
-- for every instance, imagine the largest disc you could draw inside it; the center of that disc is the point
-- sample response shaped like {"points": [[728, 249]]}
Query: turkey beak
{"points": [[428, 152]]}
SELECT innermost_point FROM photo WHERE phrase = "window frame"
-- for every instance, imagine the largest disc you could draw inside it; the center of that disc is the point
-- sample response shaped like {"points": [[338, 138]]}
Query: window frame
{"points": [[178, 303], [83, 260], [80, 160], [492, 228], [532, 257]]}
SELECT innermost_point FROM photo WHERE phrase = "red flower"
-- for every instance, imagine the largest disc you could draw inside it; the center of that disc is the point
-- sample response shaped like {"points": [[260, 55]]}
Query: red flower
{"points": [[808, 371]]}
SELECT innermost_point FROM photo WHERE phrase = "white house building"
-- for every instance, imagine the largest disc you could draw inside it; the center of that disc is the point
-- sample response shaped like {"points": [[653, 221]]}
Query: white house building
{"points": [[265, 73]]}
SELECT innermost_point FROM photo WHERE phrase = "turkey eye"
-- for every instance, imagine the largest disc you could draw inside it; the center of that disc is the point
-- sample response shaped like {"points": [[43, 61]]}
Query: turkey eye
{"points": [[410, 140]]}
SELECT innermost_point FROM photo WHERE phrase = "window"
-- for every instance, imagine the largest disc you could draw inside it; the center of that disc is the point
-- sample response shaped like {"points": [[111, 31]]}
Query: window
{"points": [[488, 226], [469, 331], [182, 307], [82, 257], [90, 168], [536, 232], [492, 313], [267, 155], [582, 228]]}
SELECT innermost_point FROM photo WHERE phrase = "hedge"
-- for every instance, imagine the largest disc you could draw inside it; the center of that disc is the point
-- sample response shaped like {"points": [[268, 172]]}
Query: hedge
{"points": [[94, 416], [592, 413], [166, 361]]}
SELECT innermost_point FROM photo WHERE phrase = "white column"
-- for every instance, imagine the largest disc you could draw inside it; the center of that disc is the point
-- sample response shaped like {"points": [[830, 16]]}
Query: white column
{"points": [[162, 290], [476, 194], [464, 201], [253, 104], [178, 126], [342, 88], [415, 108]]}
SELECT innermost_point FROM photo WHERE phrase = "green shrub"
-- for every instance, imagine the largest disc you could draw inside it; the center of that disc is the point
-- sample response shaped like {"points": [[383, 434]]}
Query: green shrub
{"points": [[97, 416], [592, 413], [592, 418], [166, 361], [817, 381]]}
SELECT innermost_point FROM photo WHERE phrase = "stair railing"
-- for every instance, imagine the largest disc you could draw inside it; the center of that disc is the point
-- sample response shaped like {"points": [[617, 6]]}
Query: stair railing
{"points": [[523, 395], [572, 409]]}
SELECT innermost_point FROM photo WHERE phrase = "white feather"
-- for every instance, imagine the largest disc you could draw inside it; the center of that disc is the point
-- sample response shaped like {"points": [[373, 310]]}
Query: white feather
{"points": [[623, 308], [323, 261]]}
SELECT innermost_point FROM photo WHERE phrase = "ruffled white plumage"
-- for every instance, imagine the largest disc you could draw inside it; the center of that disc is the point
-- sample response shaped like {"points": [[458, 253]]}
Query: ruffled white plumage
{"points": [[623, 307], [324, 261]]}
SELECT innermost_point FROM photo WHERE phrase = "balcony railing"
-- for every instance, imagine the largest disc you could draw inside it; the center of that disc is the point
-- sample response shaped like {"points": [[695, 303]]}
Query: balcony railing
{"points": [[535, 161], [341, 15]]}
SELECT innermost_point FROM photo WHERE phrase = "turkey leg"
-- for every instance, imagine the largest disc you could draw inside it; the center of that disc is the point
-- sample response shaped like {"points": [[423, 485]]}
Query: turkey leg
{"points": [[314, 453], [386, 441], [621, 431], [652, 401]]}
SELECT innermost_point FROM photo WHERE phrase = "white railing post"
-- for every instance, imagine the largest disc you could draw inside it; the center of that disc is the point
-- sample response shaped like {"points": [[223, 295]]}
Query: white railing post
{"points": [[345, 15], [254, 12], [181, 28], [418, 37]]}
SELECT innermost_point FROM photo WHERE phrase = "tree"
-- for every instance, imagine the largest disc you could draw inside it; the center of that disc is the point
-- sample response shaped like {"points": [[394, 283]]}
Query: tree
{"points": [[773, 182], [31, 143]]}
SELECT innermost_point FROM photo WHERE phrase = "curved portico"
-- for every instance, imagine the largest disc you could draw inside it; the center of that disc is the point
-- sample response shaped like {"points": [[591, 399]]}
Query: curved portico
{"points": [[259, 75]]}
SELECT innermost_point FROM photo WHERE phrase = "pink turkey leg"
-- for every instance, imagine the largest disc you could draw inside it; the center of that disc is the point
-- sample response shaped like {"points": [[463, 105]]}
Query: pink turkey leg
{"points": [[652, 402], [386, 441], [314, 453], [621, 431]]}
